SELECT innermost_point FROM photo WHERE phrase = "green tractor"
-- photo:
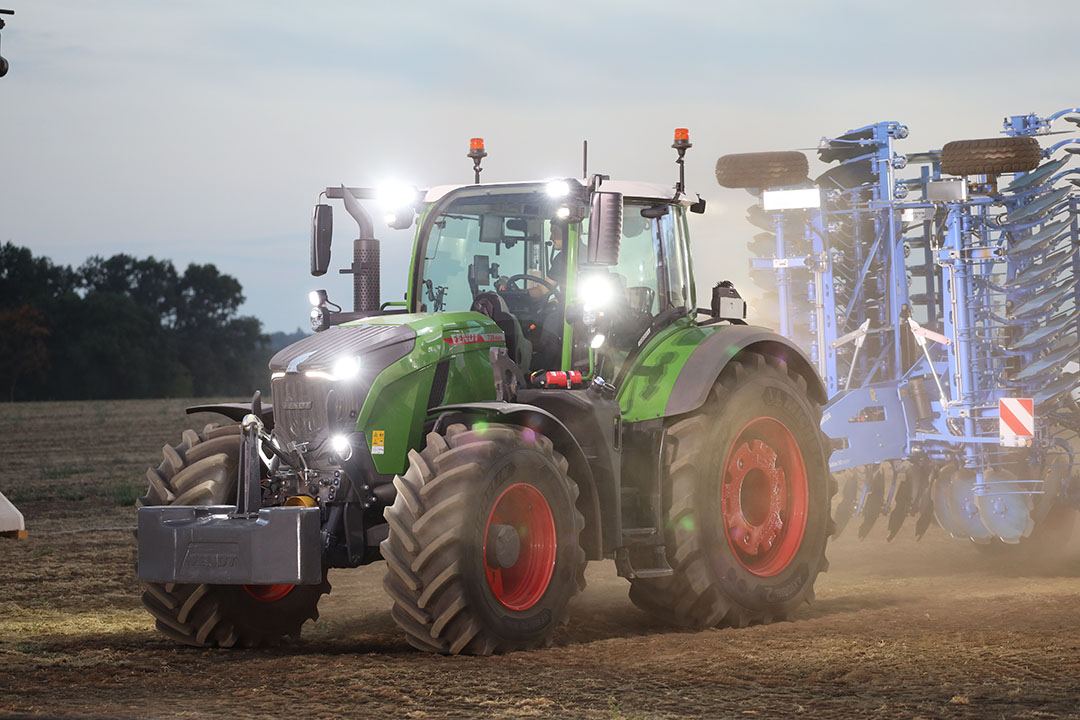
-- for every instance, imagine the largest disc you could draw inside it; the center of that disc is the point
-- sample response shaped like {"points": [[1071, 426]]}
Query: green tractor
{"points": [[549, 393]]}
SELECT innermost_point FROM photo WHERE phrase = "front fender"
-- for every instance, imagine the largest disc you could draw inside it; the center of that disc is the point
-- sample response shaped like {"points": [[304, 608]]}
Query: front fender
{"points": [[235, 411], [543, 422]]}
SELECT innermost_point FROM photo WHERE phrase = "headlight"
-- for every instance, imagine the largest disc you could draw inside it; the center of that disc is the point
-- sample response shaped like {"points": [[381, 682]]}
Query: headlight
{"points": [[319, 319], [400, 219], [394, 196], [399, 203], [597, 292], [346, 368], [558, 188], [341, 447]]}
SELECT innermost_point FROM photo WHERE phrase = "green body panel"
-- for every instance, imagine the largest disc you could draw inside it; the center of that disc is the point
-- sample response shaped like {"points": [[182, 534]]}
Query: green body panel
{"points": [[646, 389], [396, 405]]}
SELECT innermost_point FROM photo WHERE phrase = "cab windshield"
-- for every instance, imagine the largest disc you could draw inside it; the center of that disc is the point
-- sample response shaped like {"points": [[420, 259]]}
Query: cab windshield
{"points": [[502, 252]]}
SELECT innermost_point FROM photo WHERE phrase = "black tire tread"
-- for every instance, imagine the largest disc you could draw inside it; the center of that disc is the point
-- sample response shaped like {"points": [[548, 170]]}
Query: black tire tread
{"points": [[201, 470], [692, 597], [423, 577], [762, 169], [990, 156]]}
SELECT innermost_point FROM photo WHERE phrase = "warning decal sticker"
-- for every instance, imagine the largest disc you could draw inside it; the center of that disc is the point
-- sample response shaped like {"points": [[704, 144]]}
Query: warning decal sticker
{"points": [[1017, 420]]}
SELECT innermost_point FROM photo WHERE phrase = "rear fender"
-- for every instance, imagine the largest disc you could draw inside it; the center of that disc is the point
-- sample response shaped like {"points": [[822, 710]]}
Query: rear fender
{"points": [[703, 367], [541, 421]]}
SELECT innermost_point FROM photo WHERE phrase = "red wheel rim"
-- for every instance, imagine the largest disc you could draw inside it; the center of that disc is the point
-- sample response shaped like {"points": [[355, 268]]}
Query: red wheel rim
{"points": [[268, 593], [520, 586], [764, 497]]}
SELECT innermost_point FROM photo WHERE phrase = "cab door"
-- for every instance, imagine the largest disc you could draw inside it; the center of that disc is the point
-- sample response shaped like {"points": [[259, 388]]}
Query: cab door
{"points": [[652, 281]]}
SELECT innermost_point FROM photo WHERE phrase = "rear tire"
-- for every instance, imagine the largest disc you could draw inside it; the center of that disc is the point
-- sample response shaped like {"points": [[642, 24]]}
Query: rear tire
{"points": [[450, 594], [724, 491], [202, 470], [991, 156]]}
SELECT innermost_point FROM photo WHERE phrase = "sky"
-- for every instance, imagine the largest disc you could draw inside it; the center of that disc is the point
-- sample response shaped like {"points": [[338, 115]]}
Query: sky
{"points": [[204, 131]]}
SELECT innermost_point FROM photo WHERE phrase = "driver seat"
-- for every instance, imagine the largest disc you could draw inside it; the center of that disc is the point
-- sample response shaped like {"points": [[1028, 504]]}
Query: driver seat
{"points": [[518, 347]]}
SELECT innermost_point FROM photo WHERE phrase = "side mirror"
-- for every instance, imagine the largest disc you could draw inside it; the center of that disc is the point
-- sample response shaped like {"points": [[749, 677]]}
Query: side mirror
{"points": [[322, 231], [605, 228]]}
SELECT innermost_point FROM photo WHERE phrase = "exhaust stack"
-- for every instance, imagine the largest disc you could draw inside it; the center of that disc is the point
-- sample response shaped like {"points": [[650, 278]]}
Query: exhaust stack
{"points": [[366, 264]]}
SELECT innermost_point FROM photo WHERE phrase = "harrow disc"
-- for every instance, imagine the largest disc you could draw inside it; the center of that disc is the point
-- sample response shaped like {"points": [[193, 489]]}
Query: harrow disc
{"points": [[1067, 382], [763, 244], [1042, 207], [1046, 271], [874, 495], [1043, 302], [955, 508], [1045, 331], [1054, 471], [1036, 177], [1049, 362], [910, 487], [849, 497], [1049, 233], [1005, 511], [924, 508]]}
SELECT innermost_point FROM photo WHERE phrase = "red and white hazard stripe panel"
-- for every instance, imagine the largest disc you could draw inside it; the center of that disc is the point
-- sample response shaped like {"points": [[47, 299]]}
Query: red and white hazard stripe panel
{"points": [[1017, 420]]}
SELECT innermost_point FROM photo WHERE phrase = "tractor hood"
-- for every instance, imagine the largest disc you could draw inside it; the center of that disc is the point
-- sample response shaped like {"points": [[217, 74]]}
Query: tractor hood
{"points": [[320, 353], [321, 382], [380, 374]]}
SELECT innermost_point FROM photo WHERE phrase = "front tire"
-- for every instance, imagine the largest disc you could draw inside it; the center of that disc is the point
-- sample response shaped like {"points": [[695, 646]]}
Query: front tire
{"points": [[749, 495], [202, 470], [482, 554]]}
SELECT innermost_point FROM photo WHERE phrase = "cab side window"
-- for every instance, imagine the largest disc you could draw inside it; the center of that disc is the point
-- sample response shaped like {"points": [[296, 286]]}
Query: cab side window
{"points": [[638, 262], [642, 288], [651, 277]]}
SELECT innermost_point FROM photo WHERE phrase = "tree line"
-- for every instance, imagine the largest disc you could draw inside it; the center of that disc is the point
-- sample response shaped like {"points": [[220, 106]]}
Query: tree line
{"points": [[123, 327]]}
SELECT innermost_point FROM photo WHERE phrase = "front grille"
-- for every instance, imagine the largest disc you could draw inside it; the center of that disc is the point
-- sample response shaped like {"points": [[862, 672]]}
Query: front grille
{"points": [[299, 409]]}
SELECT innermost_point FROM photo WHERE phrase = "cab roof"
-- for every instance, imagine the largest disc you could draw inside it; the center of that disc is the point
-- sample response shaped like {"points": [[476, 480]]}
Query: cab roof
{"points": [[628, 188]]}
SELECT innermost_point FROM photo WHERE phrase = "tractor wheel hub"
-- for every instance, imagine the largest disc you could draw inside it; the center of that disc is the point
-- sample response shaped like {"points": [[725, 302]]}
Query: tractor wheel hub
{"points": [[503, 546]]}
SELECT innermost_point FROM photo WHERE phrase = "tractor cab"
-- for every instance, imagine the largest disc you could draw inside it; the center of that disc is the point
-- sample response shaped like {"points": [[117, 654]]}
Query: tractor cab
{"points": [[520, 254], [502, 251]]}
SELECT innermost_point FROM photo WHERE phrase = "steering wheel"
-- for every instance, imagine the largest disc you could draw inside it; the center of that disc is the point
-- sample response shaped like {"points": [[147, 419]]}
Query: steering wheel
{"points": [[552, 287]]}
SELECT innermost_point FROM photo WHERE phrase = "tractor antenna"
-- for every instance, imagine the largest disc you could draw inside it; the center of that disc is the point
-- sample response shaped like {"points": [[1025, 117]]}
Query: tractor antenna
{"points": [[477, 153], [681, 145], [584, 159]]}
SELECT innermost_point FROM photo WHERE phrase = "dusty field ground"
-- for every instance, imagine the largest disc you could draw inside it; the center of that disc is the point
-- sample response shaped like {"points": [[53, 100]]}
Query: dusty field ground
{"points": [[930, 629]]}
